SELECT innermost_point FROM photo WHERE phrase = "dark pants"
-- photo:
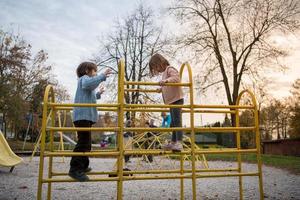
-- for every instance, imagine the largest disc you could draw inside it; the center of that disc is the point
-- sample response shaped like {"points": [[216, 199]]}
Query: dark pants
{"points": [[176, 120], [84, 143]]}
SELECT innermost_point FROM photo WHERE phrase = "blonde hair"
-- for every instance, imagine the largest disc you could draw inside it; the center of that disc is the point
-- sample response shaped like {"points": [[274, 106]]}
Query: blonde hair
{"points": [[156, 61]]}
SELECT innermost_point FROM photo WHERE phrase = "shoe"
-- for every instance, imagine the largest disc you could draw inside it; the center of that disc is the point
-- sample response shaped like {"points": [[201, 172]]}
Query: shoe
{"points": [[87, 170], [79, 175], [167, 147], [177, 147]]}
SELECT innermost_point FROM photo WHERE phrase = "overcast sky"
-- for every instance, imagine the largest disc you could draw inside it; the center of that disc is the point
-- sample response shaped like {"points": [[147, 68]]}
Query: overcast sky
{"points": [[69, 31]]}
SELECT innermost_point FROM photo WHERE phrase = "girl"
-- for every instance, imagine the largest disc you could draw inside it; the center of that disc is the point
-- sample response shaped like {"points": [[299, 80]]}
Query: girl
{"points": [[171, 95], [88, 81]]}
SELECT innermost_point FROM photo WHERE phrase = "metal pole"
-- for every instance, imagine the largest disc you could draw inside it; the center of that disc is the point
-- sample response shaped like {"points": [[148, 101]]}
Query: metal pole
{"points": [[120, 125], [43, 138], [51, 149], [239, 157]]}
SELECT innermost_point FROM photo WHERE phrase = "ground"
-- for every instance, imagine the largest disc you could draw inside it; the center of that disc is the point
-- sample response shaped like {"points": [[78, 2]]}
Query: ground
{"points": [[22, 183]]}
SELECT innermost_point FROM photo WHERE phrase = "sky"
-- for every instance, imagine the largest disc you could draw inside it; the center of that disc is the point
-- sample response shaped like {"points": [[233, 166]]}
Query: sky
{"points": [[70, 31]]}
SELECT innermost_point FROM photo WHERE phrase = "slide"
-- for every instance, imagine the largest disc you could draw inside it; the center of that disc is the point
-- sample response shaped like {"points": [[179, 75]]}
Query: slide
{"points": [[7, 157], [74, 143], [69, 139]]}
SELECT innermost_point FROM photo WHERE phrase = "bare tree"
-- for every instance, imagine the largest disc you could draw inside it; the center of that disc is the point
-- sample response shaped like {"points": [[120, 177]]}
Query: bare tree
{"points": [[135, 39], [232, 37]]}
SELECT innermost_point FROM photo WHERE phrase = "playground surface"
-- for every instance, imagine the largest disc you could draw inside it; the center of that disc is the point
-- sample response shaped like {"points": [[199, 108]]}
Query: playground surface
{"points": [[22, 183]]}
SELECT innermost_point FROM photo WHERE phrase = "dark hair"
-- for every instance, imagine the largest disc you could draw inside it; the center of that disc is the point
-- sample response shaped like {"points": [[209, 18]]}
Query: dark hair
{"points": [[85, 68]]}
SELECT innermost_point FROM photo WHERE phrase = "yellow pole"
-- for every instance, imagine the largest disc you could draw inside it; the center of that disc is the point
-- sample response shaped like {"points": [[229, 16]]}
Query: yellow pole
{"points": [[43, 138], [192, 126], [121, 125], [257, 140], [239, 157], [51, 149], [181, 180]]}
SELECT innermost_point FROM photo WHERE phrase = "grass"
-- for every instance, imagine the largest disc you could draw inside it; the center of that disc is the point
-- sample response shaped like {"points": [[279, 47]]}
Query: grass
{"points": [[17, 145], [290, 163]]}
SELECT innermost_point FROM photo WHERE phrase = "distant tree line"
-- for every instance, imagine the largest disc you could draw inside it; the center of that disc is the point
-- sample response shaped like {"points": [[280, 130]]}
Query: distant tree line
{"points": [[23, 78]]}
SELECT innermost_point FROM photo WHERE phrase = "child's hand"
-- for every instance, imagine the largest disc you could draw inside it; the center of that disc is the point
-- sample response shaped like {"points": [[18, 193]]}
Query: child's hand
{"points": [[108, 72], [162, 82], [101, 89]]}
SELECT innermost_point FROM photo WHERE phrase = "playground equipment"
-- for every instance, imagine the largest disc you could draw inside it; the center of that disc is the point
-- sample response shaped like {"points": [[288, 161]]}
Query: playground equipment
{"points": [[7, 157], [61, 135], [182, 173]]}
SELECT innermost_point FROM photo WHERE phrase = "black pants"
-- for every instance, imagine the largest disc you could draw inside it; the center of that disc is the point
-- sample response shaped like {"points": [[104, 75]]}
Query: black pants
{"points": [[176, 120], [84, 143]]}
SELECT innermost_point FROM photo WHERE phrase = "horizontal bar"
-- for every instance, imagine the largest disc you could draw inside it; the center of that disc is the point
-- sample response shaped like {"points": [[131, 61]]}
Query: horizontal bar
{"points": [[226, 175], [157, 84], [198, 129], [142, 90], [244, 151], [63, 105], [162, 152], [153, 152], [111, 129], [224, 106], [99, 109], [153, 171], [128, 178], [178, 171], [146, 110], [68, 154], [82, 105], [223, 129], [53, 180], [144, 129], [210, 111], [155, 106], [89, 173], [183, 110]]}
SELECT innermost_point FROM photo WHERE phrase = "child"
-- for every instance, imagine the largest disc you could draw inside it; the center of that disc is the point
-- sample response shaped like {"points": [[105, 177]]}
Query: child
{"points": [[88, 81], [171, 95]]}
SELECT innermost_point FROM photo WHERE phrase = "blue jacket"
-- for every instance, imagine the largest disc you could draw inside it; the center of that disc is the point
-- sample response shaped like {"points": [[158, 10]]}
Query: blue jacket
{"points": [[85, 93]]}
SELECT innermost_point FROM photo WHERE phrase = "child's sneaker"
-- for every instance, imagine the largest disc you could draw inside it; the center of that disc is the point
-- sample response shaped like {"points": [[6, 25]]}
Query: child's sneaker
{"points": [[177, 147], [79, 175], [167, 147], [87, 170]]}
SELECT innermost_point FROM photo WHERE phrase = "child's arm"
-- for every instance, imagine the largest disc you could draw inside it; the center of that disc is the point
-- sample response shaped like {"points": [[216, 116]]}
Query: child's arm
{"points": [[91, 83], [173, 75]]}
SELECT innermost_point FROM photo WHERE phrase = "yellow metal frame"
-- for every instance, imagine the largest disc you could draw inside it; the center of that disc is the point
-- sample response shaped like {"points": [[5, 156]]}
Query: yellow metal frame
{"points": [[119, 153]]}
